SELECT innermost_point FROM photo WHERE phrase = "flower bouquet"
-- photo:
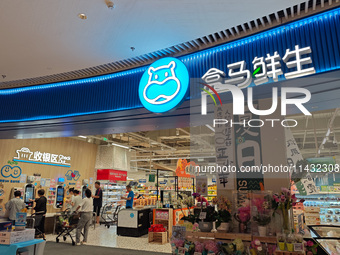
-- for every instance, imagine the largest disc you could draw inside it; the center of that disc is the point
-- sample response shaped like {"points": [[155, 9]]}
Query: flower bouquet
{"points": [[284, 202], [243, 217], [311, 248]]}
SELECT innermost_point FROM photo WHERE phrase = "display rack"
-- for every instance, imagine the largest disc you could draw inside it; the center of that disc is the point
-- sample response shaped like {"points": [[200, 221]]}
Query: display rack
{"points": [[51, 192], [164, 216], [112, 192], [212, 192], [321, 208]]}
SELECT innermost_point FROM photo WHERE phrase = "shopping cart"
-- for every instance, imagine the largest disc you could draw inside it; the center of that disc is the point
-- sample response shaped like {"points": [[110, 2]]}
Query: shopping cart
{"points": [[108, 216], [34, 221], [66, 223]]}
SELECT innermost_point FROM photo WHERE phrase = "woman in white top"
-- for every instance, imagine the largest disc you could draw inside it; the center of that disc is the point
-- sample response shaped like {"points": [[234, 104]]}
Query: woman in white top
{"points": [[85, 208], [76, 201]]}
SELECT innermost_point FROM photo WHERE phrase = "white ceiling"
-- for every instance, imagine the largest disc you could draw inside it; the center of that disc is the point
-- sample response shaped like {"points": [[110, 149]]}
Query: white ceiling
{"points": [[44, 37]]}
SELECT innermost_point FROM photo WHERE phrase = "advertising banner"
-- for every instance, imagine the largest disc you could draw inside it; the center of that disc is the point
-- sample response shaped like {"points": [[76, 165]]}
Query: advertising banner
{"points": [[202, 185], [224, 144], [248, 151], [111, 175]]}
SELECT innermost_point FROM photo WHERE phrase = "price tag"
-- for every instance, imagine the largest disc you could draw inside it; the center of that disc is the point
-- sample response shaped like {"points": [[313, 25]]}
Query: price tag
{"points": [[203, 215]]}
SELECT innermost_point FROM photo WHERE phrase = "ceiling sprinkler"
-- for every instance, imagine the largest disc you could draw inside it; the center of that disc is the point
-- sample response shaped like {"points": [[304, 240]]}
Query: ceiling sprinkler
{"points": [[110, 4]]}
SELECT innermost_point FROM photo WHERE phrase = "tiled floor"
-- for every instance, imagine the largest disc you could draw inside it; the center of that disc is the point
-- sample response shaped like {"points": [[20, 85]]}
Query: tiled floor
{"points": [[107, 237]]}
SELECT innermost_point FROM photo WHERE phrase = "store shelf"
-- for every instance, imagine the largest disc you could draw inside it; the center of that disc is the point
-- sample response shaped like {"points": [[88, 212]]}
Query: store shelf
{"points": [[266, 239], [221, 236]]}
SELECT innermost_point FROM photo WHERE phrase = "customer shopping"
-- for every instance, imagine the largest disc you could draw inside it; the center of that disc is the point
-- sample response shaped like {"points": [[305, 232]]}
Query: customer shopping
{"points": [[40, 209], [76, 200], [129, 198], [97, 200], [85, 209], [15, 205]]}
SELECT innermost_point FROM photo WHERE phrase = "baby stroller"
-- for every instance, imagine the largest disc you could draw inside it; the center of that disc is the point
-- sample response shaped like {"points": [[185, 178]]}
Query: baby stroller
{"points": [[34, 221], [67, 222]]}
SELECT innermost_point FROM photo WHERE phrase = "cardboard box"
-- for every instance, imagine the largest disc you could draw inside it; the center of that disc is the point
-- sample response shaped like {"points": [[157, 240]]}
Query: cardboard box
{"points": [[5, 225], [16, 236]]}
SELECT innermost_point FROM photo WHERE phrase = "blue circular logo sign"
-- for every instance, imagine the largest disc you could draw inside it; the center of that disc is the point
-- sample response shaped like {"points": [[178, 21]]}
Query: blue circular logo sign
{"points": [[132, 215], [164, 85]]}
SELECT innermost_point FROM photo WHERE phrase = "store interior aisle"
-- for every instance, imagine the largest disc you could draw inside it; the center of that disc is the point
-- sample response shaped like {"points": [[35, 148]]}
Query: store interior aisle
{"points": [[101, 237]]}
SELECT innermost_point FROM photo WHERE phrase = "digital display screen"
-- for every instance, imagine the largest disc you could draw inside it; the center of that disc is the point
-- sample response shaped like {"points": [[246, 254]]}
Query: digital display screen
{"points": [[60, 194], [29, 194]]}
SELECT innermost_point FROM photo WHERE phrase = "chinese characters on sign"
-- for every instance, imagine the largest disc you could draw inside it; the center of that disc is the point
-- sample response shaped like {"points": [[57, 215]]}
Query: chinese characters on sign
{"points": [[224, 144], [26, 155], [248, 153], [270, 68], [264, 68], [293, 152]]}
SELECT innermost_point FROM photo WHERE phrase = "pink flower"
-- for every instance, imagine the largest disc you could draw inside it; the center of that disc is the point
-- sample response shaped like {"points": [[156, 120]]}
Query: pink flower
{"points": [[283, 198], [285, 190], [293, 196], [277, 199], [294, 204], [310, 243]]}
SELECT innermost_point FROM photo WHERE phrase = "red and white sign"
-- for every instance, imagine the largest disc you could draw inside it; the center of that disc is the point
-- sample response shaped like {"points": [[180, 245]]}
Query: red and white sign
{"points": [[111, 175]]}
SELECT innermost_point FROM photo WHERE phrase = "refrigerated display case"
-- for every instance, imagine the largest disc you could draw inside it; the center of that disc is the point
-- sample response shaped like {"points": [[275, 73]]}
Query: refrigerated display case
{"points": [[328, 237]]}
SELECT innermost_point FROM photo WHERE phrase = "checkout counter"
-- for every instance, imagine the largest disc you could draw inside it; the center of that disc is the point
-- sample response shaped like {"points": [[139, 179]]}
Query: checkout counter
{"points": [[134, 222]]}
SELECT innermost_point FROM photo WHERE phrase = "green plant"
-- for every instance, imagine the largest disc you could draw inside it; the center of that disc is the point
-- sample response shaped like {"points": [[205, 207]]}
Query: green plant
{"points": [[262, 219], [223, 216]]}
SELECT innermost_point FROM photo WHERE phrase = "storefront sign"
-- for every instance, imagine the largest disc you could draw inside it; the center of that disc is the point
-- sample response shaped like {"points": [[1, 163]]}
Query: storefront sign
{"points": [[164, 85], [111, 175], [142, 180], [44, 158], [248, 152], [264, 68]]}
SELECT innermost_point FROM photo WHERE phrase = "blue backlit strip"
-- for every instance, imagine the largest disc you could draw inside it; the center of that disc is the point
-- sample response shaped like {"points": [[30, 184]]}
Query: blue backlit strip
{"points": [[41, 163]]}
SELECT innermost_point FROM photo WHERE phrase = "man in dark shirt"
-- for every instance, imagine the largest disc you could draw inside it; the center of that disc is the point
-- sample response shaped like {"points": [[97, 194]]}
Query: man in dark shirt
{"points": [[40, 208], [97, 200]]}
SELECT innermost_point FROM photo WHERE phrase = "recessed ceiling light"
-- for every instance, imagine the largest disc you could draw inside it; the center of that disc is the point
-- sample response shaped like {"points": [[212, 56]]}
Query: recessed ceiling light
{"points": [[82, 16]]}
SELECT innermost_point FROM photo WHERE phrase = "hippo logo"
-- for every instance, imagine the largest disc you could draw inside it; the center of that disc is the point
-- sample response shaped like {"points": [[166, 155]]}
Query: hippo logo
{"points": [[164, 85]]}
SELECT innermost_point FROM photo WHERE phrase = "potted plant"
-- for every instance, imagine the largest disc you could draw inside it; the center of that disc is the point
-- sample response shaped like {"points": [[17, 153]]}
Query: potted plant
{"points": [[223, 220], [206, 225], [262, 220], [223, 214], [281, 239], [290, 242]]}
